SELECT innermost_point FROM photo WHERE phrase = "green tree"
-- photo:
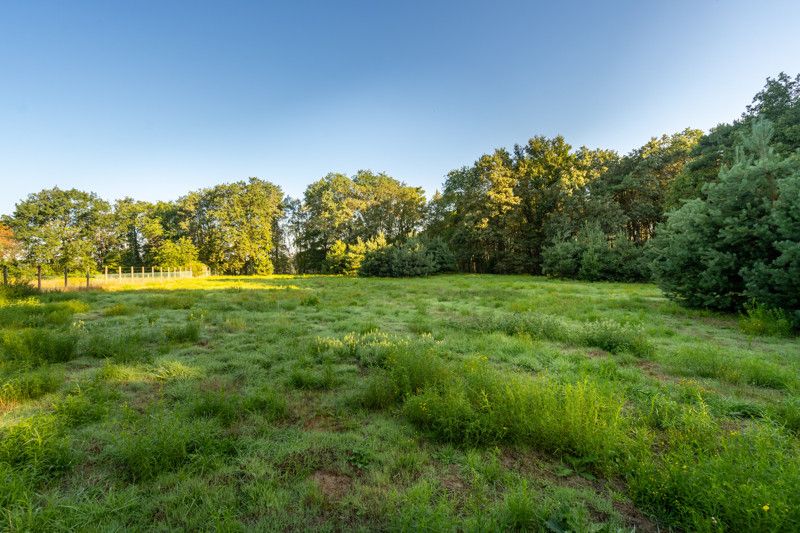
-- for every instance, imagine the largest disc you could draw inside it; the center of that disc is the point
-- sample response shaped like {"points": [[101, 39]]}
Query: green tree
{"points": [[714, 252], [340, 209], [640, 181], [176, 254], [778, 102], [139, 232], [62, 228], [231, 225]]}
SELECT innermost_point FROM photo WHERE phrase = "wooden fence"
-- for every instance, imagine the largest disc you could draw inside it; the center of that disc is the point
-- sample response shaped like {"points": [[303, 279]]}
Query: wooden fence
{"points": [[109, 275], [145, 273]]}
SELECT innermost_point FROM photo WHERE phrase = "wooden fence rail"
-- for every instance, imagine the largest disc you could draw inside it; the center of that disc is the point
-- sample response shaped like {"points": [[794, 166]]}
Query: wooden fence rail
{"points": [[113, 274]]}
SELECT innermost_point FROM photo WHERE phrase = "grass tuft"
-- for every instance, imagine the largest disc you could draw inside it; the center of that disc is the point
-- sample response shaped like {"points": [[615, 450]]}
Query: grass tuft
{"points": [[162, 441], [39, 346], [29, 385]]}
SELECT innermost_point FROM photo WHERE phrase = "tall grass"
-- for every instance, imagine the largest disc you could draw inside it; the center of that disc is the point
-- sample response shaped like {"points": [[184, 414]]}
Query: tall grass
{"points": [[84, 405], [604, 334], [163, 441], [29, 385], [182, 333], [472, 403], [39, 346], [122, 348], [36, 445], [709, 479], [758, 320], [732, 367]]}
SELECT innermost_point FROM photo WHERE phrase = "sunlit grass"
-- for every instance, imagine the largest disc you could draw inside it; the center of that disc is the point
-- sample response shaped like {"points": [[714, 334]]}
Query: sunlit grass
{"points": [[457, 402]]}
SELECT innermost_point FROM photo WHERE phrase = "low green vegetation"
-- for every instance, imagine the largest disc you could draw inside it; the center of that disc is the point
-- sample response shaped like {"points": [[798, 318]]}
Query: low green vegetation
{"points": [[449, 403]]}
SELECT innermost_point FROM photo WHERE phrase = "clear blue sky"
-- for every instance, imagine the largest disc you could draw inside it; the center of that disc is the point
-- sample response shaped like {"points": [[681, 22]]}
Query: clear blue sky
{"points": [[153, 99]]}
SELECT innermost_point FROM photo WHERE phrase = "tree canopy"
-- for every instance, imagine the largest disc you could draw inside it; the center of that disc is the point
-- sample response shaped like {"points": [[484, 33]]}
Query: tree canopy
{"points": [[712, 216]]}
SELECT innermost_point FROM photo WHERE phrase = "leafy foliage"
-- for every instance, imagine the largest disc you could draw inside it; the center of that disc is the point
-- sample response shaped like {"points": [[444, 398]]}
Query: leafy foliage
{"points": [[739, 243]]}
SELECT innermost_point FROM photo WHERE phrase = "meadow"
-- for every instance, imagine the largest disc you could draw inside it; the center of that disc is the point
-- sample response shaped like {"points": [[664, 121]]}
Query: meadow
{"points": [[449, 403]]}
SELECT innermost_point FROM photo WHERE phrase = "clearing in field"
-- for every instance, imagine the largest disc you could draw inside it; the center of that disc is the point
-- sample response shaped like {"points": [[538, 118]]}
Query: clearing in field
{"points": [[446, 403]]}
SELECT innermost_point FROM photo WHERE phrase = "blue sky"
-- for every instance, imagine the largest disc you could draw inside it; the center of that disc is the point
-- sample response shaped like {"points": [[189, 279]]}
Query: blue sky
{"points": [[153, 99]]}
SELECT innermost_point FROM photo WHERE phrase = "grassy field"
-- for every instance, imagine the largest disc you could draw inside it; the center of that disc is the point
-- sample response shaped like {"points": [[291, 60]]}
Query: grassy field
{"points": [[472, 403]]}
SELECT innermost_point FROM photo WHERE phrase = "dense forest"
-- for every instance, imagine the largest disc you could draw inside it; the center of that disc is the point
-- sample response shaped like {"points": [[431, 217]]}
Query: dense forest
{"points": [[713, 217]]}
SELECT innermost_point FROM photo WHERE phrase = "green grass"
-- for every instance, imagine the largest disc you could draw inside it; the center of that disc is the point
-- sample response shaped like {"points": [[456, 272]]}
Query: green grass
{"points": [[452, 403]]}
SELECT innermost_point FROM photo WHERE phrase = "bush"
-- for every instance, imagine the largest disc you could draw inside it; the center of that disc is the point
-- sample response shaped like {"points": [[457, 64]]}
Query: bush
{"points": [[761, 320], [593, 256], [409, 259]]}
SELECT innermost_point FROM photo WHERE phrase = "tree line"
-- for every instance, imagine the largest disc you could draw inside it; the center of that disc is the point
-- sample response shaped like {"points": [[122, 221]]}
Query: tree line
{"points": [[718, 209]]}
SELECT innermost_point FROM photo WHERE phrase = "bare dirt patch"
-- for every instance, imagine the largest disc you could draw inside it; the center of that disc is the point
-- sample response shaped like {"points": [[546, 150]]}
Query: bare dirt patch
{"points": [[333, 485]]}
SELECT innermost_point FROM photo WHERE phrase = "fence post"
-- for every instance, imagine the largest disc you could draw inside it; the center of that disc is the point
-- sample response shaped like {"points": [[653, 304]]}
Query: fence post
{"points": [[65, 276], [119, 273], [5, 275], [87, 278], [160, 272], [152, 272], [142, 273], [106, 273], [131, 273], [39, 276]]}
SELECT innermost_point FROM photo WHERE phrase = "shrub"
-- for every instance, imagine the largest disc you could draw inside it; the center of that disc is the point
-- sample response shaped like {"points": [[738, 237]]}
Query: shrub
{"points": [[562, 259], [594, 256], [761, 320], [409, 259]]}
